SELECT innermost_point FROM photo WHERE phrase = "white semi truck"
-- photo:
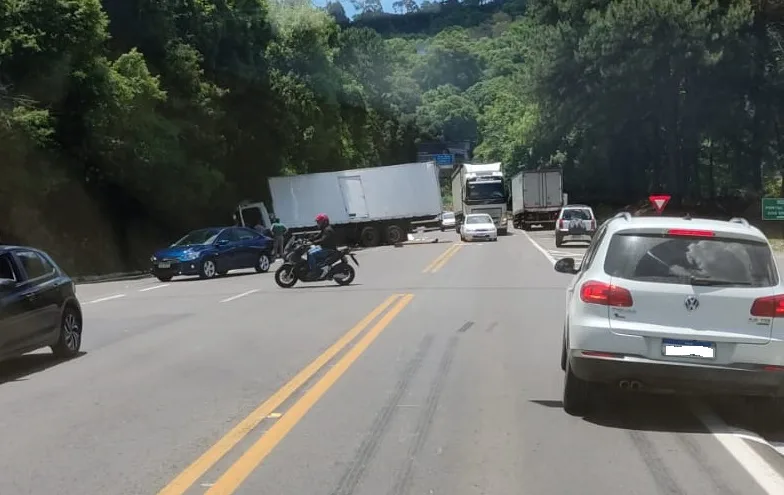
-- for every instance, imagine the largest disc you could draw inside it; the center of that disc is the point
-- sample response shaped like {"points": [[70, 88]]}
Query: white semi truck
{"points": [[537, 197], [367, 206], [479, 188]]}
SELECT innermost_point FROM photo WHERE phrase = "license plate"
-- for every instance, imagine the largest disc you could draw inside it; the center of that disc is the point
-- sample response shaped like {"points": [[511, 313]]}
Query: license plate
{"points": [[164, 265], [689, 348]]}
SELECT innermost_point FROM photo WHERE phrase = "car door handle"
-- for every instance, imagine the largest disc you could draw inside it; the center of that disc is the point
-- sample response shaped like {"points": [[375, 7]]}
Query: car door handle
{"points": [[30, 297]]}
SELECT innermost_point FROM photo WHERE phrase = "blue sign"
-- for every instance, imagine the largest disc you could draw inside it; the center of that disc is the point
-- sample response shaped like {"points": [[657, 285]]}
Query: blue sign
{"points": [[444, 160]]}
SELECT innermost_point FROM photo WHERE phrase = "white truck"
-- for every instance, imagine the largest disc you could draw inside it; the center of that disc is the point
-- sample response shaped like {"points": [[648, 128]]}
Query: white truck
{"points": [[537, 197], [365, 206], [479, 188]]}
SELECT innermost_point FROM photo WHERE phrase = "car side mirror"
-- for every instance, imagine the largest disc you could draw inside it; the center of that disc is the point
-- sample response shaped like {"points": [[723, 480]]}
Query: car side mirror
{"points": [[6, 284], [565, 265]]}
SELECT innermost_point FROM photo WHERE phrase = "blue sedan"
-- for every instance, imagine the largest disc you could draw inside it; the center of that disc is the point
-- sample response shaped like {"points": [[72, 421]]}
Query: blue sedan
{"points": [[212, 252]]}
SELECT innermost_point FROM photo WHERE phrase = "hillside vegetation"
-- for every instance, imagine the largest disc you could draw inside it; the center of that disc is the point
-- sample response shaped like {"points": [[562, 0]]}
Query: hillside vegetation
{"points": [[125, 122]]}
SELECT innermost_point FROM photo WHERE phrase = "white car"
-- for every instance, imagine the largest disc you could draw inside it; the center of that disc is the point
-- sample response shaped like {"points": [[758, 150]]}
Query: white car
{"points": [[447, 220], [574, 223], [673, 305], [478, 226]]}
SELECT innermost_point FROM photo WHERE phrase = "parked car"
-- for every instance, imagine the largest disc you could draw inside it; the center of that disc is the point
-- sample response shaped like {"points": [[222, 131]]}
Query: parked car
{"points": [[447, 220], [574, 223], [213, 252], [478, 226], [666, 304], [38, 305]]}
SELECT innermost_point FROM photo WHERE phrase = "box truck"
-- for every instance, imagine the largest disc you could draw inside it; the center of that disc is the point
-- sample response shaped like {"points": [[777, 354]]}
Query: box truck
{"points": [[537, 197], [366, 206], [479, 188]]}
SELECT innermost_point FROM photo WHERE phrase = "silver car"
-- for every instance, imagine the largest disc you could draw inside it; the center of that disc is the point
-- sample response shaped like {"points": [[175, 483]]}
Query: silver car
{"points": [[447, 220]]}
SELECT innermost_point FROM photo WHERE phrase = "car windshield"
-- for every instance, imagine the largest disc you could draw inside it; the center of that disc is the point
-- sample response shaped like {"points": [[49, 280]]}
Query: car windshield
{"points": [[448, 216], [577, 214], [479, 219], [683, 260], [202, 236]]}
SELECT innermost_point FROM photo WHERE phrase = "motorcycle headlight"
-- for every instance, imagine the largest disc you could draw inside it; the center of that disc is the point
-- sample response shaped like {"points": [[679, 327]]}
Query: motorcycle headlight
{"points": [[153, 259]]}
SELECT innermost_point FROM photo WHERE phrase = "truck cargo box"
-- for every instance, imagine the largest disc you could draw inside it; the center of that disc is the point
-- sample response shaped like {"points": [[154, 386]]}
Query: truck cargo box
{"points": [[408, 192]]}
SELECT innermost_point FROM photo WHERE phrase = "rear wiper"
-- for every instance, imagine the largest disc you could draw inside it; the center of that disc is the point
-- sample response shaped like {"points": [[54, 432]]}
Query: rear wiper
{"points": [[708, 282]]}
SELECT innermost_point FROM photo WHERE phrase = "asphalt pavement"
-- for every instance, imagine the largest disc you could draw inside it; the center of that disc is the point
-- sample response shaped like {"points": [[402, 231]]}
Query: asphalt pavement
{"points": [[437, 372]]}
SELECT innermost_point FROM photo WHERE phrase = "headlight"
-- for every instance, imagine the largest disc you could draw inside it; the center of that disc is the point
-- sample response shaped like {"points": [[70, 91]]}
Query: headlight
{"points": [[190, 256], [153, 259]]}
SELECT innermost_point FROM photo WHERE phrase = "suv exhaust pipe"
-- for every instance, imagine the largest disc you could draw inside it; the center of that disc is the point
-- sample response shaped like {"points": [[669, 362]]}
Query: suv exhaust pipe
{"points": [[624, 384]]}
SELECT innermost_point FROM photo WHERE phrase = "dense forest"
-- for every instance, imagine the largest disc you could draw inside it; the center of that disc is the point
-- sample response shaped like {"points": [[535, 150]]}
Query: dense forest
{"points": [[124, 123]]}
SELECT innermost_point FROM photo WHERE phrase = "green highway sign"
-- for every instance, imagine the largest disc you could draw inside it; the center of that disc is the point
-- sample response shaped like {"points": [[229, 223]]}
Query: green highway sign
{"points": [[773, 208]]}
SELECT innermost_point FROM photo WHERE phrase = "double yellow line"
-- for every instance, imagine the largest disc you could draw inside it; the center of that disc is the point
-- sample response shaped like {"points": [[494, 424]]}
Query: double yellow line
{"points": [[441, 260], [244, 466]]}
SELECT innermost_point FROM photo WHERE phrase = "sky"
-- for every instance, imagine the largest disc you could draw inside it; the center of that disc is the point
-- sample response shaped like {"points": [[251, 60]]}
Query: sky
{"points": [[387, 4]]}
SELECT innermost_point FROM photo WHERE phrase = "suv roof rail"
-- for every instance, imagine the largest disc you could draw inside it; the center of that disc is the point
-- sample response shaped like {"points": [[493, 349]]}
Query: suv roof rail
{"points": [[740, 220], [624, 214]]}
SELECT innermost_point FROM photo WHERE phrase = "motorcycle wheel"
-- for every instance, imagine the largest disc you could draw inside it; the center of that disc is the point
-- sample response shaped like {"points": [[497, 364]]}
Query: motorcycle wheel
{"points": [[285, 276], [343, 274]]}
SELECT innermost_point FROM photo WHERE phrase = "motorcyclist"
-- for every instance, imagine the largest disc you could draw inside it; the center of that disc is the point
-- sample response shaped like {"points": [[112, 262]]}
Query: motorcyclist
{"points": [[323, 243]]}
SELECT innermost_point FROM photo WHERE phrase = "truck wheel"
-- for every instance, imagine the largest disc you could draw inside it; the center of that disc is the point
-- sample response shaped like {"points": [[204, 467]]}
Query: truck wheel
{"points": [[395, 234], [369, 237]]}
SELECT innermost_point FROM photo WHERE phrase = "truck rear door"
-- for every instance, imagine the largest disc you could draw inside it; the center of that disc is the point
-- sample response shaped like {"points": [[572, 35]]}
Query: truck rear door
{"points": [[532, 190], [353, 196], [552, 188]]}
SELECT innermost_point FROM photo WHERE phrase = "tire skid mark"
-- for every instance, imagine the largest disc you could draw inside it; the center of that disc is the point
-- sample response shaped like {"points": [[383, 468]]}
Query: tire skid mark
{"points": [[714, 475], [661, 475], [465, 327], [367, 450], [405, 474]]}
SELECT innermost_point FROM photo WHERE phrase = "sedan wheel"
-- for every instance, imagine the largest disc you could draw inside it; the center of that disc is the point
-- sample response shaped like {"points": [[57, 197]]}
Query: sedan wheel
{"points": [[263, 264], [208, 269], [70, 340]]}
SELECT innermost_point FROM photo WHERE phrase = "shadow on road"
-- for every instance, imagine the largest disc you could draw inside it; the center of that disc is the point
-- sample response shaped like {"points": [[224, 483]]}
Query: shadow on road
{"points": [[195, 278], [663, 413], [19, 368]]}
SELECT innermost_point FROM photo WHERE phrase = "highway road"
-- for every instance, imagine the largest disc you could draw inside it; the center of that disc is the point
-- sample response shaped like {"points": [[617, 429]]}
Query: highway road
{"points": [[437, 372]]}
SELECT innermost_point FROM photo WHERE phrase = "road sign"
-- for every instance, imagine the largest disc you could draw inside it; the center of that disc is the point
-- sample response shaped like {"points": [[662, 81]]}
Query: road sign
{"points": [[659, 201], [444, 160], [773, 208]]}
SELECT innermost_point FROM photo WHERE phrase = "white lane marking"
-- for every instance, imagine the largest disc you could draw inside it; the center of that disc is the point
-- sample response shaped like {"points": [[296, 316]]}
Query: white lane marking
{"points": [[540, 248], [109, 298], [759, 469], [161, 286], [239, 295]]}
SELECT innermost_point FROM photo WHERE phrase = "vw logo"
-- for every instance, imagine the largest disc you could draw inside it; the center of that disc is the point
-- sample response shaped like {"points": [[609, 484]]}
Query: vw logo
{"points": [[691, 303]]}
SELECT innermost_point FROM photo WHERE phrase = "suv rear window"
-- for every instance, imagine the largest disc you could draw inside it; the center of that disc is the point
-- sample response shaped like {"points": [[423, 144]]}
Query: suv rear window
{"points": [[682, 260], [577, 214]]}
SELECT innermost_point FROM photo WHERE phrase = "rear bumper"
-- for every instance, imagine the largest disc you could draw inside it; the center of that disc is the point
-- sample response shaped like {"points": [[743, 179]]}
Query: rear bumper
{"points": [[679, 377]]}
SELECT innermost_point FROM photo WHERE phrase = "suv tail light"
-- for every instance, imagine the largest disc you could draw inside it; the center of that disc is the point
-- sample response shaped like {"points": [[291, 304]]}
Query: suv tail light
{"points": [[769, 307], [560, 224], [593, 292], [593, 224]]}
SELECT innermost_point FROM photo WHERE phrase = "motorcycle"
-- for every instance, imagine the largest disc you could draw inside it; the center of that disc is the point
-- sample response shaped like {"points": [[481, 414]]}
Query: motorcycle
{"points": [[295, 266]]}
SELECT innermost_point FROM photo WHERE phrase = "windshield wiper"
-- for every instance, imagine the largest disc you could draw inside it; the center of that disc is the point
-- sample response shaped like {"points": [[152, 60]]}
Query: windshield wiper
{"points": [[712, 282]]}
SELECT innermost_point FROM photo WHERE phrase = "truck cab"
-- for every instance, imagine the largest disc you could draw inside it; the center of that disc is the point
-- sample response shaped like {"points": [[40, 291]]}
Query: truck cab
{"points": [[479, 188], [251, 214]]}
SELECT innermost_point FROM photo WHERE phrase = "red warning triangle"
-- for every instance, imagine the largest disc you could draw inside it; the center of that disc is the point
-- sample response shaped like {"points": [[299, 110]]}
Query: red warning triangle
{"points": [[659, 201]]}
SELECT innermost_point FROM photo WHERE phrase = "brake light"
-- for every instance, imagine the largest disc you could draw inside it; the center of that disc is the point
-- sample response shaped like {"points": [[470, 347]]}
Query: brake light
{"points": [[773, 367], [593, 292], [768, 307], [560, 224], [690, 233], [593, 224]]}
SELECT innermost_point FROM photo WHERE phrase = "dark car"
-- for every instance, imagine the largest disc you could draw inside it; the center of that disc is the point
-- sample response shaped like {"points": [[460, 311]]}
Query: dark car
{"points": [[212, 252], [38, 305]]}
